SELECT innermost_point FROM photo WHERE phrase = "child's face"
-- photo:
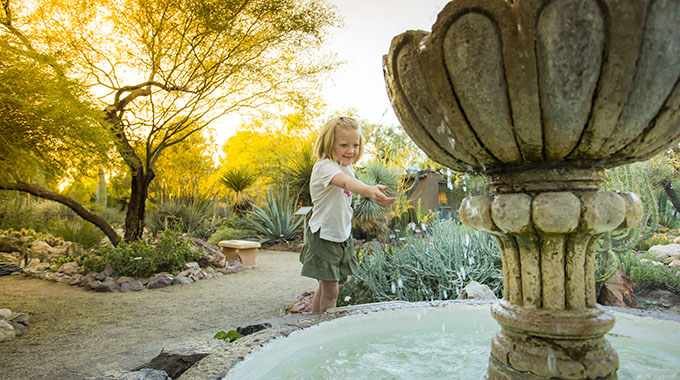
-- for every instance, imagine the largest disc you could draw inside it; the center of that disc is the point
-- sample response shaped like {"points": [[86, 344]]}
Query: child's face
{"points": [[347, 143]]}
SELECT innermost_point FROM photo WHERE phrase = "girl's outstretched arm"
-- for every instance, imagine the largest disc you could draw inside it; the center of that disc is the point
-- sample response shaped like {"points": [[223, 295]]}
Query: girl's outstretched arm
{"points": [[357, 187]]}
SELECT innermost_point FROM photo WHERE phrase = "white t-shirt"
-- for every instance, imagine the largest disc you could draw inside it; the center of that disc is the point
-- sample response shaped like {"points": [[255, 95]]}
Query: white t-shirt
{"points": [[332, 212]]}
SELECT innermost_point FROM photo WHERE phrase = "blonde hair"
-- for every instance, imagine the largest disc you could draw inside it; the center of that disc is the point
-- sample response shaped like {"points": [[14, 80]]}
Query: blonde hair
{"points": [[325, 141]]}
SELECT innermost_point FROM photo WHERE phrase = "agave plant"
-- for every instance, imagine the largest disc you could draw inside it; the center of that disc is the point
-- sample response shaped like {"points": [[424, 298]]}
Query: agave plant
{"points": [[368, 216], [238, 180], [276, 221]]}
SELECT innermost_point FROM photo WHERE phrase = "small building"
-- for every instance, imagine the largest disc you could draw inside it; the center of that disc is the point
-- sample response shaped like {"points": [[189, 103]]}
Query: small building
{"points": [[430, 187]]}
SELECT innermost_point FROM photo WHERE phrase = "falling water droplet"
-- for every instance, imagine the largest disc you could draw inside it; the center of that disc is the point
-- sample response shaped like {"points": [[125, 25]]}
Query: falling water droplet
{"points": [[446, 294], [443, 327], [400, 283], [393, 287]]}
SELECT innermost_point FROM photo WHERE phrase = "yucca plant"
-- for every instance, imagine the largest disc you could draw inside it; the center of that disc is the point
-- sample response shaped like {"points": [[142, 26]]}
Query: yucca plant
{"points": [[275, 221], [369, 217], [299, 171], [238, 180]]}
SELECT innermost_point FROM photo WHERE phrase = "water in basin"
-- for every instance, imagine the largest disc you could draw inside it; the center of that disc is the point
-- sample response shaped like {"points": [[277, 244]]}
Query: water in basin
{"points": [[448, 342]]}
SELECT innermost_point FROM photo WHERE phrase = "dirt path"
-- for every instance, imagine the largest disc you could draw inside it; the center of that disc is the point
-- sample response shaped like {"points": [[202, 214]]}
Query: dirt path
{"points": [[75, 333]]}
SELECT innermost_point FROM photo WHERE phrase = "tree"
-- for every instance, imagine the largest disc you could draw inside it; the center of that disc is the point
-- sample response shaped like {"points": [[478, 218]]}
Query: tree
{"points": [[169, 68], [49, 127]]}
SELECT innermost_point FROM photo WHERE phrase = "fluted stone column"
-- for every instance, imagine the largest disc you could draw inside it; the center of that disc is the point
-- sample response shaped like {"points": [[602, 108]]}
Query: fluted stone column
{"points": [[551, 324]]}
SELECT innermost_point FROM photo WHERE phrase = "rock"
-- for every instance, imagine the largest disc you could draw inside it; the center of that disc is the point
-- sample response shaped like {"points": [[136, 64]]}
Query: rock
{"points": [[5, 313], [107, 286], [41, 249], [659, 299], [159, 281], [618, 291], [75, 279], [19, 329], [7, 332], [9, 258], [477, 291], [250, 329], [182, 281], [84, 280], [70, 267], [174, 364], [92, 285], [131, 286], [211, 254], [142, 374], [123, 279], [19, 318], [663, 251], [233, 268], [192, 265], [302, 304], [675, 263]]}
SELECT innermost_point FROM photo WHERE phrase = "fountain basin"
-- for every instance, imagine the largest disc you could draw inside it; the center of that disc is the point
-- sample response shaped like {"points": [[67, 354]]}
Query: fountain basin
{"points": [[428, 341]]}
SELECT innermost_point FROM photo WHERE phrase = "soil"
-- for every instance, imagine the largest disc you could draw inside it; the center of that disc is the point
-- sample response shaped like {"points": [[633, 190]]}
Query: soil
{"points": [[74, 333]]}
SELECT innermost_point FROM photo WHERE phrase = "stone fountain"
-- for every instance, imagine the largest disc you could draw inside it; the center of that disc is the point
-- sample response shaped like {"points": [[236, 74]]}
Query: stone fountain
{"points": [[541, 96]]}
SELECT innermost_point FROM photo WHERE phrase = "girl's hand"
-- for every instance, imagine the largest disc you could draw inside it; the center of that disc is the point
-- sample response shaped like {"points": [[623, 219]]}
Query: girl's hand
{"points": [[379, 197]]}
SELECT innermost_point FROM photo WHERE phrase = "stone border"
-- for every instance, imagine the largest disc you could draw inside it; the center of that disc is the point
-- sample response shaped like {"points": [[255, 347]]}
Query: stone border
{"points": [[222, 360]]}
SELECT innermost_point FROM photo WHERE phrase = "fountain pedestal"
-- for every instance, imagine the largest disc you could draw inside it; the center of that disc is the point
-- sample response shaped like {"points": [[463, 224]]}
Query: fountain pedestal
{"points": [[551, 324]]}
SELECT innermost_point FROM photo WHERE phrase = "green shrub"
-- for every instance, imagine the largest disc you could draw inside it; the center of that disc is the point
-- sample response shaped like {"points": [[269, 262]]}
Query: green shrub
{"points": [[656, 239], [275, 220], [79, 231], [190, 216], [650, 276], [426, 268], [228, 233], [370, 220], [143, 257]]}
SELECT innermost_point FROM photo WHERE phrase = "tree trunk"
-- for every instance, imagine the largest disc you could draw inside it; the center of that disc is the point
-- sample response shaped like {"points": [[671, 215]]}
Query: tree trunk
{"points": [[68, 202], [134, 219], [672, 195]]}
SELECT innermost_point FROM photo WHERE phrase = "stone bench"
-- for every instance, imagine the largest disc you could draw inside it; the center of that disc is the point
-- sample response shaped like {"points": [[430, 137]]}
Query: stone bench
{"points": [[242, 250]]}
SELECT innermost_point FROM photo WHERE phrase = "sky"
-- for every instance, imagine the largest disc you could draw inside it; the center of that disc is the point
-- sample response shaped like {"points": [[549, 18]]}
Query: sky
{"points": [[369, 28]]}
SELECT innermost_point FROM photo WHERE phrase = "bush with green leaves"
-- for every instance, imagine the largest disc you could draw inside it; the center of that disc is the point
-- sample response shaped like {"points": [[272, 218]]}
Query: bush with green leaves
{"points": [[370, 219], [275, 221], [189, 215], [239, 181], [226, 232], [649, 276], [79, 231], [169, 252], [426, 268]]}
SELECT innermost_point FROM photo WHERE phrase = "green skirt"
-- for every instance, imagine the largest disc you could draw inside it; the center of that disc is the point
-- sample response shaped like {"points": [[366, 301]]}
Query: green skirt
{"points": [[327, 260]]}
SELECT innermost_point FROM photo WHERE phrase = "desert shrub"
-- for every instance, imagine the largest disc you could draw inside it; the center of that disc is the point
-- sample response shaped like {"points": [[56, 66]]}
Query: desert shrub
{"points": [[169, 252], [656, 239], [426, 267], [226, 232], [275, 221], [190, 216], [370, 220], [649, 276], [79, 231]]}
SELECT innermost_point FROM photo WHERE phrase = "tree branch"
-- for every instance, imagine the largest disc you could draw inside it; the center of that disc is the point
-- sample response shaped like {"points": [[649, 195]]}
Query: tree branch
{"points": [[68, 202]]}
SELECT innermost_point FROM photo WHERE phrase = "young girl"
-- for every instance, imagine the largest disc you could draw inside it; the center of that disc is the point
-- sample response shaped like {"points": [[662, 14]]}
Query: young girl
{"points": [[328, 254]]}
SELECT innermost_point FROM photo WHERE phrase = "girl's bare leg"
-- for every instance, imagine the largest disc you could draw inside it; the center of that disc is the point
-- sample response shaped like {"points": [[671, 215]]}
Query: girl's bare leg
{"points": [[316, 304], [328, 296]]}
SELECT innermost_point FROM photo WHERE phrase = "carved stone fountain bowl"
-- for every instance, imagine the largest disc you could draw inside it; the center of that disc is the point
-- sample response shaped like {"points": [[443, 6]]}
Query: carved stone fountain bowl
{"points": [[559, 88]]}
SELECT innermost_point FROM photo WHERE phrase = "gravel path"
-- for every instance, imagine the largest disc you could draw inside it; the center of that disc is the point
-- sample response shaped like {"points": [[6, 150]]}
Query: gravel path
{"points": [[75, 333]]}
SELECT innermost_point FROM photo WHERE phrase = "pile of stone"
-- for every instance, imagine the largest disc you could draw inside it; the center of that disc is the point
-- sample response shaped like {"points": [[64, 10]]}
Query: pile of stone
{"points": [[12, 324], [212, 263], [108, 281]]}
